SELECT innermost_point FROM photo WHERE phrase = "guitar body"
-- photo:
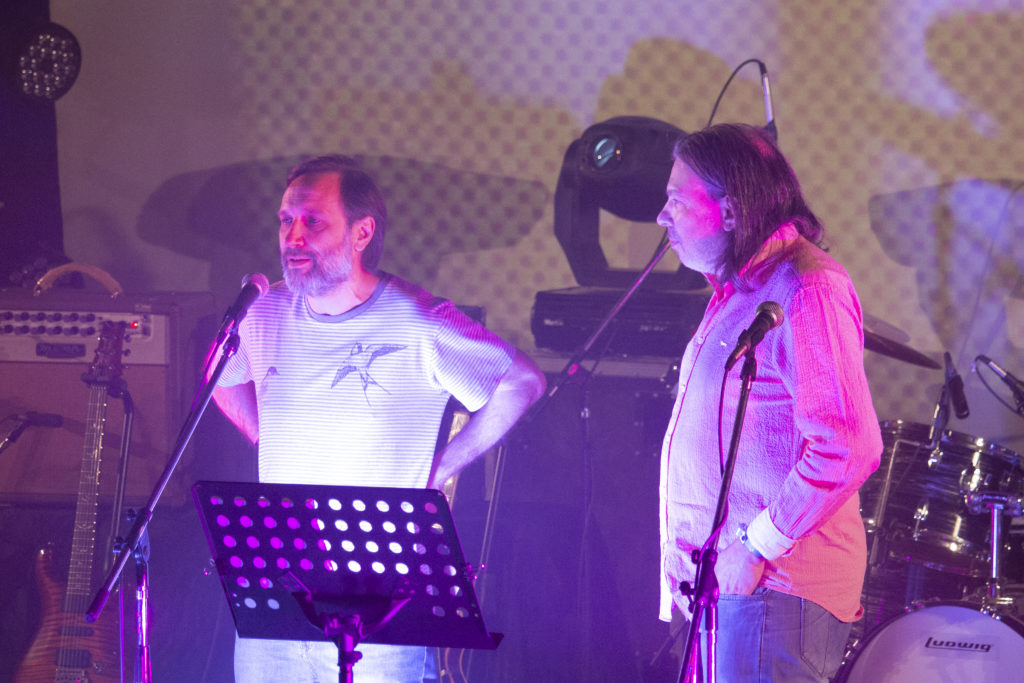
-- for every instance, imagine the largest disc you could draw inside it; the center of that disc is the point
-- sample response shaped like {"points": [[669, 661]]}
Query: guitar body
{"points": [[67, 649], [454, 665]]}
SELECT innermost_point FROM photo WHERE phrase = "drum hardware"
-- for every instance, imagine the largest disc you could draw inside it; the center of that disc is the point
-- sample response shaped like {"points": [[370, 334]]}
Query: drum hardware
{"points": [[925, 545], [930, 611], [1010, 601], [998, 504], [996, 501], [981, 638], [920, 515], [875, 524], [915, 506]]}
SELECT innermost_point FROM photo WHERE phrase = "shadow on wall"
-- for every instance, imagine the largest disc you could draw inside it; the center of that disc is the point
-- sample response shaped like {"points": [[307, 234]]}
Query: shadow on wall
{"points": [[989, 82], [959, 237], [227, 216], [690, 80], [960, 240]]}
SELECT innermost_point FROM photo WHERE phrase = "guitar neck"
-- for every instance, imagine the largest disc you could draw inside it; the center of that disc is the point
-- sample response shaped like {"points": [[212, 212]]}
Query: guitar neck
{"points": [[83, 541]]}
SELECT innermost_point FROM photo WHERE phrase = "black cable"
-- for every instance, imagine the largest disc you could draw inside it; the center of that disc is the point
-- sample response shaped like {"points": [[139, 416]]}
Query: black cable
{"points": [[1013, 409], [725, 87]]}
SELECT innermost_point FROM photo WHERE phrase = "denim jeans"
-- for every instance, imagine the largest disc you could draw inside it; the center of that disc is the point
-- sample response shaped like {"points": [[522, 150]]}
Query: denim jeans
{"points": [[771, 636], [273, 661]]}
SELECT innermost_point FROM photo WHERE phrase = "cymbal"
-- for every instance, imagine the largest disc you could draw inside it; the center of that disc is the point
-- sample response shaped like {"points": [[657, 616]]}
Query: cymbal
{"points": [[894, 349]]}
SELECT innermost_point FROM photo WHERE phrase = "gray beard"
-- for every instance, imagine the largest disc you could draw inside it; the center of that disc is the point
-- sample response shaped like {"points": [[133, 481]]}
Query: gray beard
{"points": [[326, 272]]}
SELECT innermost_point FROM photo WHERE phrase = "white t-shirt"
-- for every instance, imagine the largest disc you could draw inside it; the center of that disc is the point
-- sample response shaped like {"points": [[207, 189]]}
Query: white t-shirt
{"points": [[356, 399]]}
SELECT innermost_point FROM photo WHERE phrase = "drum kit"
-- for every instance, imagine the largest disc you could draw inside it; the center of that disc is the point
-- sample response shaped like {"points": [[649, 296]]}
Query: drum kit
{"points": [[937, 605]]}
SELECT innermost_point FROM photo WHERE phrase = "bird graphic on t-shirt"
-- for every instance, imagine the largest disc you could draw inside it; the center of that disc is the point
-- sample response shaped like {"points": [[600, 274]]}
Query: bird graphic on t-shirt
{"points": [[265, 382], [359, 359]]}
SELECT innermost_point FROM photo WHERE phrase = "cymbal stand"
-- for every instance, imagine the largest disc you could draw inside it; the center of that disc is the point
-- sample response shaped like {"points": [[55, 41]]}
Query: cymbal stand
{"points": [[998, 504]]}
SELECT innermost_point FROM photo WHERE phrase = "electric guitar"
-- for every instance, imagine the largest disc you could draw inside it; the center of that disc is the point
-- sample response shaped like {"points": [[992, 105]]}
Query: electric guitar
{"points": [[67, 649], [454, 663]]}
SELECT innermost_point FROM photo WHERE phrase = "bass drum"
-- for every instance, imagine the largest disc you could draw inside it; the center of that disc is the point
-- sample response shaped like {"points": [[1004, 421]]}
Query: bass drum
{"points": [[953, 642]]}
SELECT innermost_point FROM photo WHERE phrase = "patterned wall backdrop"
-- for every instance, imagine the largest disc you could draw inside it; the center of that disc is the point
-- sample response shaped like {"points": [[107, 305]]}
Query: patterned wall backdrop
{"points": [[903, 118]]}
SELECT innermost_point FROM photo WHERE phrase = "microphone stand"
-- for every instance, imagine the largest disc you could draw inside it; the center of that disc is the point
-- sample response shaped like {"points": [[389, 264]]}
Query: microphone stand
{"points": [[703, 595], [940, 418], [128, 548], [573, 365]]}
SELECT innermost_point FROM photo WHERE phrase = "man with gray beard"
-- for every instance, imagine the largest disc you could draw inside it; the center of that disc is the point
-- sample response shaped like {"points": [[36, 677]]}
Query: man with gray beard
{"points": [[342, 376]]}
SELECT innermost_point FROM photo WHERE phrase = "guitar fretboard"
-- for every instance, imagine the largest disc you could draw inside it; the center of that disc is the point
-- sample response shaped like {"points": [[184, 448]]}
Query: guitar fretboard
{"points": [[83, 541]]}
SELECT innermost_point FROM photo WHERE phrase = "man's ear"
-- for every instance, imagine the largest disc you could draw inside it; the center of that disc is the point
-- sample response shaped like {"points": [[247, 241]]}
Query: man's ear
{"points": [[362, 232], [728, 214]]}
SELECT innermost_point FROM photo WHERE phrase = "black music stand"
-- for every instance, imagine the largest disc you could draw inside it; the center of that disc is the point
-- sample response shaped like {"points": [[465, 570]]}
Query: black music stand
{"points": [[342, 563]]}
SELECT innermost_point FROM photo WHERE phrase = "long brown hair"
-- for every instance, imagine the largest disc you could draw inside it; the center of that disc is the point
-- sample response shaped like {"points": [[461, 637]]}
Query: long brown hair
{"points": [[742, 163]]}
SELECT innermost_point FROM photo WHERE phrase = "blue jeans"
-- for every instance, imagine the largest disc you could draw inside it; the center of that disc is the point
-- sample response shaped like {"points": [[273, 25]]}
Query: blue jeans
{"points": [[272, 661], [771, 636]]}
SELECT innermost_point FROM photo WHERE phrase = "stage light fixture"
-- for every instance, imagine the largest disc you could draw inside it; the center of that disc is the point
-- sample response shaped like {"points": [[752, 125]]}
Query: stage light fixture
{"points": [[621, 166], [47, 61]]}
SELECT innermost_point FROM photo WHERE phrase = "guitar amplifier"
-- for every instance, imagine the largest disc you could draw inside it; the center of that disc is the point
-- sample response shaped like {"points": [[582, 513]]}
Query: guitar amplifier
{"points": [[48, 342], [651, 323]]}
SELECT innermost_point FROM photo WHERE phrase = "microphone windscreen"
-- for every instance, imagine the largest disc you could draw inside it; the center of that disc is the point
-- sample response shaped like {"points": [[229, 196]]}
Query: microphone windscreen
{"points": [[774, 310], [258, 280]]}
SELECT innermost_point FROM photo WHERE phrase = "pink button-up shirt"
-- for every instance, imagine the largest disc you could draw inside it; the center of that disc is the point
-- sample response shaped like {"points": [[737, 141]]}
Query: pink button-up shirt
{"points": [[810, 436]]}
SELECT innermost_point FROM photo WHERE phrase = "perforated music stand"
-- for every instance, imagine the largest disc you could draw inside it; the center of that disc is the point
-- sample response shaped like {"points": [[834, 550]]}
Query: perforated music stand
{"points": [[342, 563]]}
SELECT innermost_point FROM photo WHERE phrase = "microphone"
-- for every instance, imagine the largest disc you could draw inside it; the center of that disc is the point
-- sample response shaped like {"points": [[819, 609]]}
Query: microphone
{"points": [[769, 316], [41, 419], [254, 285], [1015, 385], [25, 420], [769, 109], [956, 389]]}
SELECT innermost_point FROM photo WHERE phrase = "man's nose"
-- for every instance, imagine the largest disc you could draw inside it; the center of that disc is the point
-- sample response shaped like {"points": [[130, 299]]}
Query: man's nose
{"points": [[664, 218], [296, 233]]}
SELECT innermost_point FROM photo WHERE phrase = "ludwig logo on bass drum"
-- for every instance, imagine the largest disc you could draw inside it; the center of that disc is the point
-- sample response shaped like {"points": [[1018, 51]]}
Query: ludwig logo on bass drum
{"points": [[961, 645]]}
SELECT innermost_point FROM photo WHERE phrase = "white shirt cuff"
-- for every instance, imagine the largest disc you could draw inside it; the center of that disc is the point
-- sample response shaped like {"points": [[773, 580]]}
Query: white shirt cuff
{"points": [[766, 539]]}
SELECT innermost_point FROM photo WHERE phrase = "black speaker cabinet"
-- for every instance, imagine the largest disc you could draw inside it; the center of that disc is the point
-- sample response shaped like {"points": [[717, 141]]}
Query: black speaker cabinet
{"points": [[572, 578]]}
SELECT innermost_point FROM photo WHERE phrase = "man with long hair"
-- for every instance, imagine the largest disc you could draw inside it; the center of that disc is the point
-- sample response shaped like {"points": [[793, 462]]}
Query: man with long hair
{"points": [[792, 553]]}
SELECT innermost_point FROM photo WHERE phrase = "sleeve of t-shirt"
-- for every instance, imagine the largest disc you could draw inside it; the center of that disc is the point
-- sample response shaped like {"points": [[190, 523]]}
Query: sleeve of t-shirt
{"points": [[469, 360], [237, 369]]}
